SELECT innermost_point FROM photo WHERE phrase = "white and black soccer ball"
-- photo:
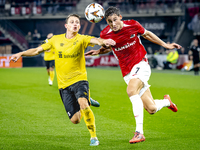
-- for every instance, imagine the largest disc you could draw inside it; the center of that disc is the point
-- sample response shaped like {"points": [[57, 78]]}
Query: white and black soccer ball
{"points": [[94, 12]]}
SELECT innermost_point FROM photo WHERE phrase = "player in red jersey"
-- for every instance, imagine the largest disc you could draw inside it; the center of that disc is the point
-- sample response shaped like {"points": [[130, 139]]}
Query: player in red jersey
{"points": [[136, 71]]}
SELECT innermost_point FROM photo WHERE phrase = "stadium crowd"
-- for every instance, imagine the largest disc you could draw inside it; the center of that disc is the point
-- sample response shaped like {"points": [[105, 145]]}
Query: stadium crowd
{"points": [[34, 7]]}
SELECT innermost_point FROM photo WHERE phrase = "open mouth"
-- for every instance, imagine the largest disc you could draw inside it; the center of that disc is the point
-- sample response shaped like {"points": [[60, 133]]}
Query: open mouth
{"points": [[114, 28]]}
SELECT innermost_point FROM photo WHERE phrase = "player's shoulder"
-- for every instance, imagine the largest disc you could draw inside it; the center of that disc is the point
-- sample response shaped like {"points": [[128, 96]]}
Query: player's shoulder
{"points": [[83, 36], [130, 22], [53, 39], [105, 30], [58, 36]]}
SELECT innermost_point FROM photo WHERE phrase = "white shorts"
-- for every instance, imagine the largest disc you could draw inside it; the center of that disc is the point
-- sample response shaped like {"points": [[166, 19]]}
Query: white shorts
{"points": [[141, 71]]}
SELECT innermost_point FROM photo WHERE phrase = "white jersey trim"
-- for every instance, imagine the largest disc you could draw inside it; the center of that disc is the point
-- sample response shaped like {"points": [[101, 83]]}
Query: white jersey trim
{"points": [[144, 32], [115, 55], [110, 31]]}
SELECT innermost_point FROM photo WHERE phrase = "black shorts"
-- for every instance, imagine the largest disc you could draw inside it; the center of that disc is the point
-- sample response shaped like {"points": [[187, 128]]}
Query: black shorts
{"points": [[50, 63], [70, 96]]}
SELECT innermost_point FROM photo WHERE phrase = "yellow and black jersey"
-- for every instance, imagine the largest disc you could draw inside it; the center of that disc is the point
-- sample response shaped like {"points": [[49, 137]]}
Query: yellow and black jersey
{"points": [[69, 58]]}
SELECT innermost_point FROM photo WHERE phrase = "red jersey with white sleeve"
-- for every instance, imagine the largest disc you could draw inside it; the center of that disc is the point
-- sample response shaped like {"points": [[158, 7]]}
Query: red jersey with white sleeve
{"points": [[128, 49]]}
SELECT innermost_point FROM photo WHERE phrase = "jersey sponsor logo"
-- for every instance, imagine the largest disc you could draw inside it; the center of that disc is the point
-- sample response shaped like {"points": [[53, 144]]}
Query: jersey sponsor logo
{"points": [[125, 46], [72, 56], [60, 54]]}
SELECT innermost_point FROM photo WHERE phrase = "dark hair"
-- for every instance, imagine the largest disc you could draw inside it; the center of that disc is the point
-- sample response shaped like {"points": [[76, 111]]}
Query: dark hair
{"points": [[112, 10], [71, 15]]}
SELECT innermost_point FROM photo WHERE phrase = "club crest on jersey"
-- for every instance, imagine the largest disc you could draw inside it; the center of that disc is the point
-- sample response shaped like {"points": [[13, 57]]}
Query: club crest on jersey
{"points": [[125, 46], [75, 42], [132, 35]]}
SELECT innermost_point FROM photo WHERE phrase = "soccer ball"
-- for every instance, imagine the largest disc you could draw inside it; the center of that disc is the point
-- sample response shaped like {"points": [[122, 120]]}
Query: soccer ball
{"points": [[94, 12]]}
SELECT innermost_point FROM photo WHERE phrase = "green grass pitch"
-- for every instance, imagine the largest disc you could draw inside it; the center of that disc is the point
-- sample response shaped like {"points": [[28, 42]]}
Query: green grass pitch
{"points": [[32, 115]]}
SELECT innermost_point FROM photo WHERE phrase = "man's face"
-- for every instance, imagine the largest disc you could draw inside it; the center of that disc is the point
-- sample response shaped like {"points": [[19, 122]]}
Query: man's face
{"points": [[114, 22], [73, 24]]}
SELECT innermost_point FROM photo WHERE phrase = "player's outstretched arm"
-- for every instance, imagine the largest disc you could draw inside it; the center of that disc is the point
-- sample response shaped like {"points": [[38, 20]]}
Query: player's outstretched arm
{"points": [[102, 50], [29, 52], [155, 39], [102, 42]]}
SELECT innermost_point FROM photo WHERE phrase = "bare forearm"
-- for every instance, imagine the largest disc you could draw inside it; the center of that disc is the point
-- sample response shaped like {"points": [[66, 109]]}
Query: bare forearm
{"points": [[101, 42], [97, 41], [30, 52], [155, 39], [104, 50]]}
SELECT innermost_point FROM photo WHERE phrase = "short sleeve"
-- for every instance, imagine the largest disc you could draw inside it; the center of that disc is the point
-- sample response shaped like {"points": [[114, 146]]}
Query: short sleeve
{"points": [[47, 44], [141, 29], [87, 39]]}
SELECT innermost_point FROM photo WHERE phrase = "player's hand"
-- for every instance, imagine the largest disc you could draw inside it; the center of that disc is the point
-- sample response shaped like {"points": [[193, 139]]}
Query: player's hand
{"points": [[15, 57], [109, 42], [92, 53], [172, 46]]}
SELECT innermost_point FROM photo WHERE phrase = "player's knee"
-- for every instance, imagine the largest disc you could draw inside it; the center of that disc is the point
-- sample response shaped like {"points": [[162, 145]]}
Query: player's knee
{"points": [[152, 109], [131, 92], [75, 121], [134, 87], [51, 69], [83, 103], [76, 118]]}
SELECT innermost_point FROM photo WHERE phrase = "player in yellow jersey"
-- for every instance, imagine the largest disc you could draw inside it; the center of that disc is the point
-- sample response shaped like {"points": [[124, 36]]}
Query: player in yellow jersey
{"points": [[49, 57], [71, 71]]}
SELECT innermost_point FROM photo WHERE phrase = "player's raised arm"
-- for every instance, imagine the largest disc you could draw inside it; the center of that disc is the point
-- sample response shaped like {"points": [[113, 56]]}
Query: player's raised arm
{"points": [[155, 39], [101, 42], [102, 50], [29, 52]]}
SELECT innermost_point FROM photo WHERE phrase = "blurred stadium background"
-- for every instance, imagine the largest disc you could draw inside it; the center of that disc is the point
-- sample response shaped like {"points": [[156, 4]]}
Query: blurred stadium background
{"points": [[172, 20]]}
